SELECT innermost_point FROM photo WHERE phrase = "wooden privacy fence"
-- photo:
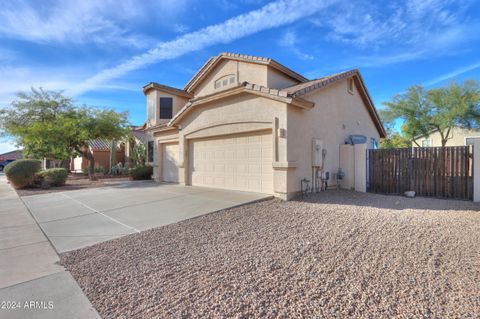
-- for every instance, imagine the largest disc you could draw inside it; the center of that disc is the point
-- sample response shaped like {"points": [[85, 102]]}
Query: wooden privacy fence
{"points": [[444, 172]]}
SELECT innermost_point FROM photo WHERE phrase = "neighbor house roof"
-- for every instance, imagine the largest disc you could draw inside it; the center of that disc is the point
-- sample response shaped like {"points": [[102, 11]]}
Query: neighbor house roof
{"points": [[100, 145], [17, 154], [166, 88], [212, 62]]}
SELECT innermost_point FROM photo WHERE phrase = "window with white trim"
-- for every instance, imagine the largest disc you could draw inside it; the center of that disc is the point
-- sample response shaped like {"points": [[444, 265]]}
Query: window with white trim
{"points": [[426, 142]]}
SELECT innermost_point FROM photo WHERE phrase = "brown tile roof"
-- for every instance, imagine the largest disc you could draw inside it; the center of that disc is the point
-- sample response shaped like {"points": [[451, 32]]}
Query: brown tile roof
{"points": [[162, 87], [100, 145]]}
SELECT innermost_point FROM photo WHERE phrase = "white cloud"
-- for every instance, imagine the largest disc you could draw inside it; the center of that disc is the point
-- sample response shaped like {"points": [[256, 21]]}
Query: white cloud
{"points": [[452, 74], [410, 24], [16, 79], [290, 41], [272, 15], [87, 21]]}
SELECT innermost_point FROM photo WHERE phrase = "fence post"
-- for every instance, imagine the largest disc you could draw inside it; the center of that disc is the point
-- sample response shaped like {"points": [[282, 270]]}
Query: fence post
{"points": [[360, 151], [476, 170]]}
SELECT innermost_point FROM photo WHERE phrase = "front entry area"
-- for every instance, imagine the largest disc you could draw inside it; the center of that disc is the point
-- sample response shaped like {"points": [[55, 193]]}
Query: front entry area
{"points": [[237, 162], [171, 153]]}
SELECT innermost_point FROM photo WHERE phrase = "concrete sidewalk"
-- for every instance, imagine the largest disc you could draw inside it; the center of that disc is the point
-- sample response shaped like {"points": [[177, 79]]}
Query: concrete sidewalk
{"points": [[32, 283]]}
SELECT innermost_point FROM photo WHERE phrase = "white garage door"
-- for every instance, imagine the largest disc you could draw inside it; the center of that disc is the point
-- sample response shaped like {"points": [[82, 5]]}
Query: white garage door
{"points": [[240, 162], [170, 162]]}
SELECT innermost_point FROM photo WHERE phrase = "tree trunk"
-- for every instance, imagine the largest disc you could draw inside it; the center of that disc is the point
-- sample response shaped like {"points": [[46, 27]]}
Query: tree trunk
{"points": [[91, 165], [65, 164]]}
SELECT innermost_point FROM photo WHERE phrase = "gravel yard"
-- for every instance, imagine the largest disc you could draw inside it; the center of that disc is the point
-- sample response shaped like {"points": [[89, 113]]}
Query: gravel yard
{"points": [[338, 254]]}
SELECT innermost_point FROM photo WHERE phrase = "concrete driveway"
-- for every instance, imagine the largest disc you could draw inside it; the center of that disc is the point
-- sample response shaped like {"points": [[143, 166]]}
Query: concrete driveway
{"points": [[76, 219]]}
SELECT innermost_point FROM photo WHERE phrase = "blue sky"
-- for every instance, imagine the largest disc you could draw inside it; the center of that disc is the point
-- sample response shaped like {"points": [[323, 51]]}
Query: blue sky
{"points": [[103, 52]]}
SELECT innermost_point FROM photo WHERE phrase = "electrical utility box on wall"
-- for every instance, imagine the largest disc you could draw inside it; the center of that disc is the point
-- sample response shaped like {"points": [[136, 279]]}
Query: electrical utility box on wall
{"points": [[317, 147]]}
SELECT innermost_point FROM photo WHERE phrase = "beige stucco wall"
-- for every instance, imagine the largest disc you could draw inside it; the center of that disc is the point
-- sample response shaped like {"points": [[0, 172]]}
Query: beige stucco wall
{"points": [[455, 138], [278, 80], [336, 115], [154, 95], [238, 114], [244, 72]]}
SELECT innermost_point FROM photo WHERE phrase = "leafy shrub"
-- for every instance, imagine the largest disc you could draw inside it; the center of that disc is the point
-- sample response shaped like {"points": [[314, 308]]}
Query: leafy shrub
{"points": [[21, 173], [99, 169], [141, 172], [52, 177]]}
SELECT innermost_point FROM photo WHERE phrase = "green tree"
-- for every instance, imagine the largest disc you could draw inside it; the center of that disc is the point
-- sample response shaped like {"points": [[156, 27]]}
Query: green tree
{"points": [[394, 140], [139, 154], [441, 109], [47, 124]]}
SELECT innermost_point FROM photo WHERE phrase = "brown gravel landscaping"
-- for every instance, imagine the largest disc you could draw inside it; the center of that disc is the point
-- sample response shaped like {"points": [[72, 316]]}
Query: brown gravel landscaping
{"points": [[337, 254]]}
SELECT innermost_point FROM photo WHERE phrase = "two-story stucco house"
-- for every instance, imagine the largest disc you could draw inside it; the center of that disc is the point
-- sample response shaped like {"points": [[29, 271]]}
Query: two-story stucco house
{"points": [[250, 123], [457, 136]]}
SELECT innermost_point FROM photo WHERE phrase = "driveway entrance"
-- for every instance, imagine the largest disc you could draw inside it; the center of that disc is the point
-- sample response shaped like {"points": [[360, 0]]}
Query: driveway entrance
{"points": [[75, 219]]}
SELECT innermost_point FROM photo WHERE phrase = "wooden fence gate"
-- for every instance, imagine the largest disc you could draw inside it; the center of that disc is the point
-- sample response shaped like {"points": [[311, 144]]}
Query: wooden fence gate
{"points": [[444, 172]]}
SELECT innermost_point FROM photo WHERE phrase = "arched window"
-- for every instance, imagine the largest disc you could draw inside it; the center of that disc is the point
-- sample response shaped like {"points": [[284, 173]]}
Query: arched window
{"points": [[225, 81]]}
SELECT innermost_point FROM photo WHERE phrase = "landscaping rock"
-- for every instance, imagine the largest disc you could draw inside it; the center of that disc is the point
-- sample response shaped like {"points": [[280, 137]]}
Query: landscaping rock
{"points": [[338, 254]]}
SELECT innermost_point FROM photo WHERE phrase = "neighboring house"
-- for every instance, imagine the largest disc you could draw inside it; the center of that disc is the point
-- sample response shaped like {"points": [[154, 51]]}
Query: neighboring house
{"points": [[249, 123], [13, 155], [9, 157], [457, 137], [101, 153]]}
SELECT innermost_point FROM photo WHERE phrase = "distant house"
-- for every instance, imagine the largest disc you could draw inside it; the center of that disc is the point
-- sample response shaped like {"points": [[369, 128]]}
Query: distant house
{"points": [[101, 153], [13, 155], [457, 137]]}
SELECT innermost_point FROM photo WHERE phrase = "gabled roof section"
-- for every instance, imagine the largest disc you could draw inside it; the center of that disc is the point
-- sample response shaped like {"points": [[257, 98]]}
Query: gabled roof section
{"points": [[212, 62], [245, 87], [304, 88], [166, 88], [313, 85]]}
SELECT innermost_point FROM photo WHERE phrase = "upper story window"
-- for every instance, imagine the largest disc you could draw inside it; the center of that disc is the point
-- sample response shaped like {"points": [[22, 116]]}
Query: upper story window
{"points": [[426, 142], [225, 81], [350, 85], [166, 108]]}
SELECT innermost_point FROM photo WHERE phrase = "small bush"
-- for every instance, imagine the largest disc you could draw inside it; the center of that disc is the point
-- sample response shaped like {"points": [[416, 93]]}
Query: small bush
{"points": [[141, 172], [52, 177], [99, 170], [21, 173]]}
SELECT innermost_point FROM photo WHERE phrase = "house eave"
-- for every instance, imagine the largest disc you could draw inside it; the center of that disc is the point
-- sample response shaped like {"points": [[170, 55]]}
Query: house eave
{"points": [[247, 88]]}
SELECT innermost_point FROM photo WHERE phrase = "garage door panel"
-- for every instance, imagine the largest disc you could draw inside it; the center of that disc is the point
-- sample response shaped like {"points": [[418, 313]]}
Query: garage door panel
{"points": [[242, 162]]}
